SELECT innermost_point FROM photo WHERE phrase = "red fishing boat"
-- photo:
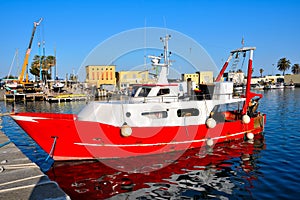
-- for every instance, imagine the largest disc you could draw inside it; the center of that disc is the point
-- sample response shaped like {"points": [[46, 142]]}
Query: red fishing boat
{"points": [[157, 119]]}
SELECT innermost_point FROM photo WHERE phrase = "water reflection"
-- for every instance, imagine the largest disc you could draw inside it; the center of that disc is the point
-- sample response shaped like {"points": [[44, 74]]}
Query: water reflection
{"points": [[229, 169]]}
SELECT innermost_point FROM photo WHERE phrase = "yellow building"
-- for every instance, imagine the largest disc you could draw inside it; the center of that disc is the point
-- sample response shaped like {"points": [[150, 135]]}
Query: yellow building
{"points": [[101, 74], [126, 78], [202, 77]]}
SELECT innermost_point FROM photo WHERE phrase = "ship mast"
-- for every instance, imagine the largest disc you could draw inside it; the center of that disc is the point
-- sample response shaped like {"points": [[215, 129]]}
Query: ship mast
{"points": [[248, 94], [162, 78]]}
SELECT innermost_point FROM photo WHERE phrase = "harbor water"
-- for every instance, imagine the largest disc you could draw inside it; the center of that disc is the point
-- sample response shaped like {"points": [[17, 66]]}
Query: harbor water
{"points": [[267, 168]]}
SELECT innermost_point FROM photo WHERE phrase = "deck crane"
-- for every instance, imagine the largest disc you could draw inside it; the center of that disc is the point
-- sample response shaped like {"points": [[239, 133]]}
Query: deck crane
{"points": [[25, 64]]}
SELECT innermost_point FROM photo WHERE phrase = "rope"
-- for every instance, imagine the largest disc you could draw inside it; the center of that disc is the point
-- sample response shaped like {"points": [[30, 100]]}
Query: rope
{"points": [[20, 166], [52, 148], [206, 108], [185, 126], [243, 60], [20, 180], [26, 186], [5, 143], [5, 114]]}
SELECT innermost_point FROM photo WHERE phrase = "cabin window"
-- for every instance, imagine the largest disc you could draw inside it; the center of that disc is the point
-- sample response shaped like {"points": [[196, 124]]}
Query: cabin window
{"points": [[144, 92], [163, 91], [156, 114], [187, 112]]}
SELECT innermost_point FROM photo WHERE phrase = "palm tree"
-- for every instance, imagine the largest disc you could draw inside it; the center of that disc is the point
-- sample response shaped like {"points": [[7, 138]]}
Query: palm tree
{"points": [[35, 66], [46, 62], [261, 70], [283, 65], [296, 69], [50, 62]]}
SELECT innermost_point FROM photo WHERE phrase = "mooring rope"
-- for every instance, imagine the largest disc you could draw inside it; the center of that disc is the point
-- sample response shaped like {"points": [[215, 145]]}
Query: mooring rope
{"points": [[52, 148], [6, 114], [5, 143]]}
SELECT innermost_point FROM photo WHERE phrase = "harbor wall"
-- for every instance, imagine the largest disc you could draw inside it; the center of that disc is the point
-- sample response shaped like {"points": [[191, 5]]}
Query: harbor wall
{"points": [[2, 93]]}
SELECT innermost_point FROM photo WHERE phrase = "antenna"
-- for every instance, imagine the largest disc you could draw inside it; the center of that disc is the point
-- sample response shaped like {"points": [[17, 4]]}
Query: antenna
{"points": [[145, 45], [165, 25]]}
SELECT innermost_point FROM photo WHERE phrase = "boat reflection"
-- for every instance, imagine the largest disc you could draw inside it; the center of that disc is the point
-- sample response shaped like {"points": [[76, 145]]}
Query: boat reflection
{"points": [[227, 169]]}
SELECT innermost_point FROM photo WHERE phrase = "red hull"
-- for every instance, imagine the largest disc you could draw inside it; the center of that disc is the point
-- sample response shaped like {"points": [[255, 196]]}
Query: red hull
{"points": [[79, 140]]}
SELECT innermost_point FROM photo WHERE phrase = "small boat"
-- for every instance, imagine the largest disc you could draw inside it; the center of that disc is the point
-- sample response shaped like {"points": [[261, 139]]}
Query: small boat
{"points": [[155, 120], [279, 86], [289, 85], [257, 86], [11, 85], [274, 86], [58, 86]]}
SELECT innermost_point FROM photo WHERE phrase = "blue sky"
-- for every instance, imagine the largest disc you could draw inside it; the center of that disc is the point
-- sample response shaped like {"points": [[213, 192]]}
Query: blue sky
{"points": [[75, 28]]}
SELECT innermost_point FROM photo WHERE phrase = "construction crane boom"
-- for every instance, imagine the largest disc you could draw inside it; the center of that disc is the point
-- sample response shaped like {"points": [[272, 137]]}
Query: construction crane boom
{"points": [[25, 63]]}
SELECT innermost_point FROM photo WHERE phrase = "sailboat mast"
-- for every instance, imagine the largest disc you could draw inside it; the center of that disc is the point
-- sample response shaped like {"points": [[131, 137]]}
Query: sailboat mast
{"points": [[55, 71], [16, 54]]}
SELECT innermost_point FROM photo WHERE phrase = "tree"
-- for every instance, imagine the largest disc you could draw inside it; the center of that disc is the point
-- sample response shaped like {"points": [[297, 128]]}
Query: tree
{"points": [[50, 62], [283, 65], [35, 66], [296, 69], [261, 70], [46, 62]]}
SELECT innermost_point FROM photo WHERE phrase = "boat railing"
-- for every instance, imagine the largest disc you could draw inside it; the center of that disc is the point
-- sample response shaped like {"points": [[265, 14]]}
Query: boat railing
{"points": [[156, 99]]}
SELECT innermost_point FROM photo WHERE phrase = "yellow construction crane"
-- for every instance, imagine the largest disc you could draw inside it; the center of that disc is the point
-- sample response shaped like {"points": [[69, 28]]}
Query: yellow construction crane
{"points": [[25, 64]]}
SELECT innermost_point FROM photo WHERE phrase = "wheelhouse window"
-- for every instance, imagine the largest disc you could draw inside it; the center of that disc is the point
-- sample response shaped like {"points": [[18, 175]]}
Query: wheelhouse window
{"points": [[156, 114], [187, 112], [144, 92], [163, 91]]}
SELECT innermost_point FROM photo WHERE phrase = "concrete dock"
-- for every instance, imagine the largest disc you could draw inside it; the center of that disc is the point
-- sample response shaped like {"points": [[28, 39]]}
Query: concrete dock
{"points": [[22, 179]]}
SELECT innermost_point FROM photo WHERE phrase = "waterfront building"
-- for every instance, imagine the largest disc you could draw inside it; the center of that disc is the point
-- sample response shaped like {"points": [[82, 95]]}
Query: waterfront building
{"points": [[267, 79], [295, 78], [101, 75], [127, 78], [199, 77]]}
